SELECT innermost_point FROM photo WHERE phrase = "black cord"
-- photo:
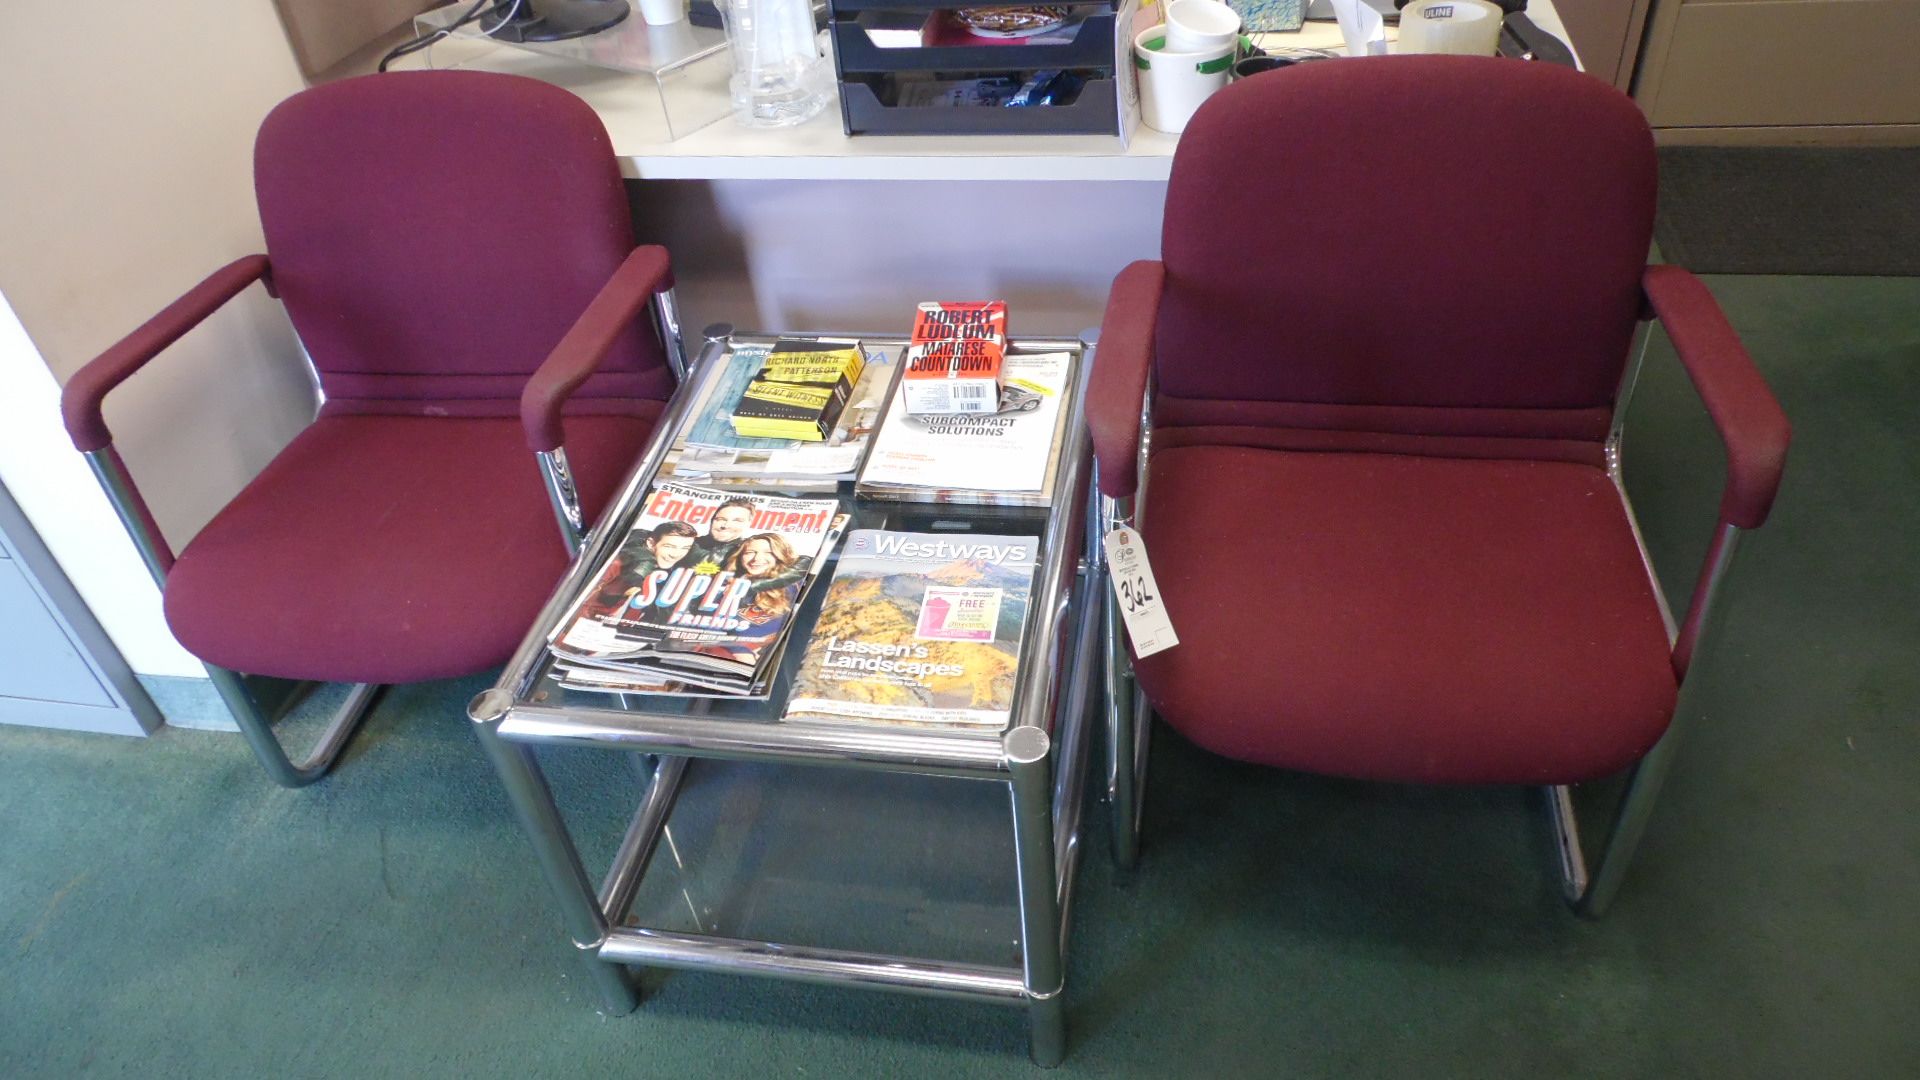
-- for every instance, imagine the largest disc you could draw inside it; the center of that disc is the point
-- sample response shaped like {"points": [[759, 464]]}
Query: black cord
{"points": [[424, 40]]}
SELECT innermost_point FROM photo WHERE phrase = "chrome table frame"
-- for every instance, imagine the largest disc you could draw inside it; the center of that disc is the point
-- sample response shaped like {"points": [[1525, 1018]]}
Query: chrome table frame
{"points": [[1040, 757], [1590, 891]]}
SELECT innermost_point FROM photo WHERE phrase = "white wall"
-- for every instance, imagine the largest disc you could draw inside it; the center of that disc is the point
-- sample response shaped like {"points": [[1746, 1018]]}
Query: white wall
{"points": [[856, 255], [128, 178], [56, 490]]}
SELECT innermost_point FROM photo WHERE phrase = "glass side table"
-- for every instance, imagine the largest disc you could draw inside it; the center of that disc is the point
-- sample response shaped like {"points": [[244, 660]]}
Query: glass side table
{"points": [[684, 66], [797, 850]]}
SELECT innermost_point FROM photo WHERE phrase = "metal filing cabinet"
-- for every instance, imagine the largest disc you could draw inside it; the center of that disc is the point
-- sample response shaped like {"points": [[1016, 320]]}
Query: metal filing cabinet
{"points": [[57, 666]]}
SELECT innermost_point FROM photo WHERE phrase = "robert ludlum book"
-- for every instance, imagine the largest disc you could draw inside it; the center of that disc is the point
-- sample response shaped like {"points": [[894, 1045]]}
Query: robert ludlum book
{"points": [[701, 590], [954, 362], [919, 628]]}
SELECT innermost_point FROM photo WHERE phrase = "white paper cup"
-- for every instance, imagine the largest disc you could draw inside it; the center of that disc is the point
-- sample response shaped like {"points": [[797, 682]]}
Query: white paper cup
{"points": [[663, 12], [1173, 84], [1460, 27], [1199, 25]]}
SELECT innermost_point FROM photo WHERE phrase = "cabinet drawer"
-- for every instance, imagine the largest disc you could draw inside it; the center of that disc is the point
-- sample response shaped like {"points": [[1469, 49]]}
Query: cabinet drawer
{"points": [[37, 660]]}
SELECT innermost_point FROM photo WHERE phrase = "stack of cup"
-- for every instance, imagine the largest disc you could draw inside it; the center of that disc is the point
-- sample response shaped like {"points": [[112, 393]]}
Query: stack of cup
{"points": [[1183, 61]]}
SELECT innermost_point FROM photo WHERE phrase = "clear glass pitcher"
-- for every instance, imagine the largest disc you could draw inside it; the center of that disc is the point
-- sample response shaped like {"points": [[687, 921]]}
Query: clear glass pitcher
{"points": [[779, 77]]}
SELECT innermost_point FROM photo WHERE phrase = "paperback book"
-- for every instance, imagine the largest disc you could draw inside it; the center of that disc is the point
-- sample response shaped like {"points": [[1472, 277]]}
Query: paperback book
{"points": [[954, 360], [702, 590], [919, 628]]}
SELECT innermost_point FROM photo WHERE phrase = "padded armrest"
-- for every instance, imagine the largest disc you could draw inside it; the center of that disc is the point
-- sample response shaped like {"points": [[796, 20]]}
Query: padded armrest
{"points": [[1119, 378], [1751, 423], [81, 398], [645, 272]]}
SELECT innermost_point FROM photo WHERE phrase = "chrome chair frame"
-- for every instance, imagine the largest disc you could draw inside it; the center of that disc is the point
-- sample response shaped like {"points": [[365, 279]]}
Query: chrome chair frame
{"points": [[1589, 890], [254, 721]]}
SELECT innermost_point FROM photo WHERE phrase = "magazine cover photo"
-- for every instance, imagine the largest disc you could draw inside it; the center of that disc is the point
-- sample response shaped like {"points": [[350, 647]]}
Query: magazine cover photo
{"points": [[919, 628], [704, 580]]}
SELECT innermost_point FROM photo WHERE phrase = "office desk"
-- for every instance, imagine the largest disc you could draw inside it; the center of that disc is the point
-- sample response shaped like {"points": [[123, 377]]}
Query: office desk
{"points": [[818, 150]]}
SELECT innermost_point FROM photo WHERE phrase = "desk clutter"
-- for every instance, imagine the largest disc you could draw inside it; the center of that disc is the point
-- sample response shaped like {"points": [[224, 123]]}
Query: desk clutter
{"points": [[994, 67], [710, 584]]}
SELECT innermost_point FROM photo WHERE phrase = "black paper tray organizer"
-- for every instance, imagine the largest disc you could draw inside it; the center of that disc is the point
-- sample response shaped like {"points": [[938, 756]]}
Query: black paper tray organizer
{"points": [[870, 104], [884, 76]]}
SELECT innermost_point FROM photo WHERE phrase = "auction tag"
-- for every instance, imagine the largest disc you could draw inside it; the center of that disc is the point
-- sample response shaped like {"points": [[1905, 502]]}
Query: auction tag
{"points": [[1133, 584]]}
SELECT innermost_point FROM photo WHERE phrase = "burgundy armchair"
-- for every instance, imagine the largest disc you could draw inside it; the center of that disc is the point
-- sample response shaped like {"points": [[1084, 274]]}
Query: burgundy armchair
{"points": [[1375, 386], [455, 252]]}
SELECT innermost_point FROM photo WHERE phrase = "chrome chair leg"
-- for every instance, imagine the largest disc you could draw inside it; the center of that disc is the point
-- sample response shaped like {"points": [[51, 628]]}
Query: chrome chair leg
{"points": [[1142, 746], [1566, 842], [1125, 755], [1590, 891], [257, 728], [1629, 826]]}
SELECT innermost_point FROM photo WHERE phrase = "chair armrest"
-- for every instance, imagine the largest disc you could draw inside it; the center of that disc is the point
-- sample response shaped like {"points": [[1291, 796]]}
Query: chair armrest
{"points": [[1751, 423], [1118, 385], [645, 272], [81, 398]]}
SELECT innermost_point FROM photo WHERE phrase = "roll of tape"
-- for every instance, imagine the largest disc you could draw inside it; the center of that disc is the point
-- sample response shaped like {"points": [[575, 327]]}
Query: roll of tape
{"points": [[1460, 27]]}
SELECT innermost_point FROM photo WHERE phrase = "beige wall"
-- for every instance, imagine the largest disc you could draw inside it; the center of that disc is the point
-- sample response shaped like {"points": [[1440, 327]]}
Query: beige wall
{"points": [[127, 177], [331, 35]]}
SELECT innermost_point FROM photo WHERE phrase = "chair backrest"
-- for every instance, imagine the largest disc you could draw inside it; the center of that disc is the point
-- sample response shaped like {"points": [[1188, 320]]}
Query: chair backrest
{"points": [[433, 234], [1419, 244]]}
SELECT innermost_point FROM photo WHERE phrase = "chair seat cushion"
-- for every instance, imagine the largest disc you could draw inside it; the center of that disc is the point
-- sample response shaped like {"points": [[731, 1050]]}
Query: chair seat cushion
{"points": [[388, 549], [1411, 619]]}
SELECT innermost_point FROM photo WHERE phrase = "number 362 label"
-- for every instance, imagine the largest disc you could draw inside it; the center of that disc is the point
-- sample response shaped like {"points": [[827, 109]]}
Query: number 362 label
{"points": [[1133, 585]]}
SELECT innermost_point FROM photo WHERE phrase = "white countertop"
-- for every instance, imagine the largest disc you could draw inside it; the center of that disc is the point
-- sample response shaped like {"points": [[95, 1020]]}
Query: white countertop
{"points": [[819, 150]]}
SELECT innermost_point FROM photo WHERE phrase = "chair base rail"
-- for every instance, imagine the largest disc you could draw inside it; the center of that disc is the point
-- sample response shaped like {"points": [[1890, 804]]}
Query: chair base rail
{"points": [[257, 728]]}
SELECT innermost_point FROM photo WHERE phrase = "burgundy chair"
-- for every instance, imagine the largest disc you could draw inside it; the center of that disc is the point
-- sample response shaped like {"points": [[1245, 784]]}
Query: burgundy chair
{"points": [[456, 253], [1375, 385]]}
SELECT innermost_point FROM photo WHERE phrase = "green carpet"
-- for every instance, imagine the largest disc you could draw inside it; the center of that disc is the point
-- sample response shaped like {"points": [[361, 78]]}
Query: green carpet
{"points": [[165, 912]]}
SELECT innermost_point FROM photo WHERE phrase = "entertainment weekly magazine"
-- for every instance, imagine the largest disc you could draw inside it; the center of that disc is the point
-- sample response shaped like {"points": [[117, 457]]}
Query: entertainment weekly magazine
{"points": [[703, 587]]}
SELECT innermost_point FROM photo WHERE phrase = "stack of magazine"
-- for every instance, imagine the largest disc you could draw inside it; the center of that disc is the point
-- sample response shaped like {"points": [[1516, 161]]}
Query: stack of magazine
{"points": [[1002, 458], [921, 629], [699, 596], [712, 454]]}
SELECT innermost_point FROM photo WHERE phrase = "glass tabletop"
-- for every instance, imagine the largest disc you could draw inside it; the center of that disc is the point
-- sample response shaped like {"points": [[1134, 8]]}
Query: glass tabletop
{"points": [[539, 697]]}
